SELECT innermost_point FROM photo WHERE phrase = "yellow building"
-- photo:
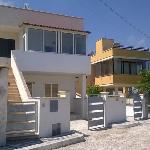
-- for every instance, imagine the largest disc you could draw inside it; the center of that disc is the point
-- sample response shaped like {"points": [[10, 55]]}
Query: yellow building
{"points": [[115, 67]]}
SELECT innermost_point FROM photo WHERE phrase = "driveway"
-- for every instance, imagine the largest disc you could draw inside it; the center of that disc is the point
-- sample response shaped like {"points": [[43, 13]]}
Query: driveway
{"points": [[135, 138]]}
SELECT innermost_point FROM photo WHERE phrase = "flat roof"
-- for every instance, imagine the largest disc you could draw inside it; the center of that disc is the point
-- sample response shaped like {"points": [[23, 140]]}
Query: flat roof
{"points": [[39, 11]]}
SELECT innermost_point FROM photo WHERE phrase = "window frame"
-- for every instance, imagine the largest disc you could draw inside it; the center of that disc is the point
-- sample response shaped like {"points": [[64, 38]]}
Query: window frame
{"points": [[59, 34], [62, 43], [51, 89]]}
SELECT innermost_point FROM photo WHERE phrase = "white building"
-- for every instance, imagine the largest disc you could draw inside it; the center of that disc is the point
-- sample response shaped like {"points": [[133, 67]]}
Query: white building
{"points": [[48, 55]]}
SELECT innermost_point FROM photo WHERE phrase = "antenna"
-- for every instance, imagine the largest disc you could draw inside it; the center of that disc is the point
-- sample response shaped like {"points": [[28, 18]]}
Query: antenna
{"points": [[26, 6]]}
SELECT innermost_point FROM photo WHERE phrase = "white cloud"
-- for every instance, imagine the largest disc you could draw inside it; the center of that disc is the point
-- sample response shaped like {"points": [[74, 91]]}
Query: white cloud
{"points": [[6, 2]]}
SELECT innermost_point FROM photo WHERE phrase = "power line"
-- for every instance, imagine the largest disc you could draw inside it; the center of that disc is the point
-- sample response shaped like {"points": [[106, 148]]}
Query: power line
{"points": [[124, 19]]}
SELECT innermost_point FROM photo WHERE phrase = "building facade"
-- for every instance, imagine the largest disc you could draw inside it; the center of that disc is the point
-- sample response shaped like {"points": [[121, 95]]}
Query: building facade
{"points": [[46, 54], [115, 67]]}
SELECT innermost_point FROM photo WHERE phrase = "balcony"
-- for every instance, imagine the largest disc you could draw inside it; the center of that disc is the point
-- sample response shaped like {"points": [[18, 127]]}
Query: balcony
{"points": [[46, 62], [120, 79]]}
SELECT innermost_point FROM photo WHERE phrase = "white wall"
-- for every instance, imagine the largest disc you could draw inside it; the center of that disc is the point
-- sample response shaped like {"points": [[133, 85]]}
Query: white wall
{"points": [[52, 63], [5, 34], [115, 110], [15, 17], [48, 118], [65, 83]]}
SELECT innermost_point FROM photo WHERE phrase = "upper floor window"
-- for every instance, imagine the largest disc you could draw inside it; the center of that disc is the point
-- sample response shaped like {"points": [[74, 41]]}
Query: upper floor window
{"points": [[49, 41], [67, 43], [54, 41], [41, 40], [35, 39], [80, 44]]}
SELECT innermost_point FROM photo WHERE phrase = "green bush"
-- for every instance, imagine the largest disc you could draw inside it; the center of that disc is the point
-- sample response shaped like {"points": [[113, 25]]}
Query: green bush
{"points": [[144, 83], [93, 89]]}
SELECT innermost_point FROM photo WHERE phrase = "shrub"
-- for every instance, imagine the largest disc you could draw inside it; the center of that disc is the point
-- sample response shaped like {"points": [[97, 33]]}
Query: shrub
{"points": [[93, 89], [144, 83]]}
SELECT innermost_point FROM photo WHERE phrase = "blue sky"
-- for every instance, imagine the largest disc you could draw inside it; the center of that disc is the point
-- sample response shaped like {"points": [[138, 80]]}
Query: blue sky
{"points": [[100, 20]]}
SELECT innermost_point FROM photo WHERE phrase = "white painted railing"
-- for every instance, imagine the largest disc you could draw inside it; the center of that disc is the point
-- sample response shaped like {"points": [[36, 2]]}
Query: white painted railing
{"points": [[20, 81]]}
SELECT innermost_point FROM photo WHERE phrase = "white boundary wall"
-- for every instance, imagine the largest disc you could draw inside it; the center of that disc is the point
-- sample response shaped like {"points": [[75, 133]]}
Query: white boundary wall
{"points": [[47, 118], [115, 109]]}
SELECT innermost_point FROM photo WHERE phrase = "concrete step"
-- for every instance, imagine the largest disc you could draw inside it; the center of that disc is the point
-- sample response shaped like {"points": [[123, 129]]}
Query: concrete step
{"points": [[14, 96]]}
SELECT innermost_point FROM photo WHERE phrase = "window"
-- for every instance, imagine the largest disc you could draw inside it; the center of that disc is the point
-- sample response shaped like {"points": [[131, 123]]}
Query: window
{"points": [[6, 45], [51, 90], [67, 43], [126, 68], [49, 41], [35, 39], [56, 129], [133, 68], [54, 106], [29, 84], [80, 44]]}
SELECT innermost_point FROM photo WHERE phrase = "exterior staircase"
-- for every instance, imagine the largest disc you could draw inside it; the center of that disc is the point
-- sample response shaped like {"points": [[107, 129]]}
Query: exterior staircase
{"points": [[13, 93]]}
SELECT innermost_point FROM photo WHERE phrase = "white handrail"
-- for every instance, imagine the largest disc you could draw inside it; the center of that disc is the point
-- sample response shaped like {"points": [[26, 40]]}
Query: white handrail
{"points": [[20, 81]]}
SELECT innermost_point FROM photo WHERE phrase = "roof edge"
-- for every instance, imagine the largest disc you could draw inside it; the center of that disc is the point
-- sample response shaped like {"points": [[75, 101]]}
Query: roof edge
{"points": [[39, 11], [39, 25]]}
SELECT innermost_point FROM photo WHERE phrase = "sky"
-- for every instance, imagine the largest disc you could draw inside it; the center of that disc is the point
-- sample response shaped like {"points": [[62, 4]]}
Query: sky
{"points": [[126, 21]]}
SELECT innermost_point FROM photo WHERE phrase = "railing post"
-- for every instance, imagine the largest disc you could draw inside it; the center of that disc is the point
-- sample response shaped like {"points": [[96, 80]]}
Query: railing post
{"points": [[37, 116]]}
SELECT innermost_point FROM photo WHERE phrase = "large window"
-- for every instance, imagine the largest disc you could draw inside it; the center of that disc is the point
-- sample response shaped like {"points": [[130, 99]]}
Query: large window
{"points": [[35, 39], [49, 41], [128, 67], [67, 43], [80, 44], [54, 41]]}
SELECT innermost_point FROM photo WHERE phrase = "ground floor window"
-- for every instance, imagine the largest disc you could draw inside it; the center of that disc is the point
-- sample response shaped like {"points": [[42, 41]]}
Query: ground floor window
{"points": [[51, 90], [56, 129]]}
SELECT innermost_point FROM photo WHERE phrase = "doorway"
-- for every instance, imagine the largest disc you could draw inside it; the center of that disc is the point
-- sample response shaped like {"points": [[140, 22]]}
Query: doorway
{"points": [[6, 45]]}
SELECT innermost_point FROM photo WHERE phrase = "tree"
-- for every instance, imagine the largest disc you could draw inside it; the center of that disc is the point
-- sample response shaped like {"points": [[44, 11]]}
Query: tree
{"points": [[144, 83], [93, 89]]}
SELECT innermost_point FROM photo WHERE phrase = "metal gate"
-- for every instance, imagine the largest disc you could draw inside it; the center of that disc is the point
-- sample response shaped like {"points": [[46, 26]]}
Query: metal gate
{"points": [[96, 107], [137, 106]]}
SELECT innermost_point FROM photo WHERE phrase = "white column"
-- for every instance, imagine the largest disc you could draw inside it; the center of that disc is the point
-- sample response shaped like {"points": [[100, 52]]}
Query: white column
{"points": [[83, 94], [116, 90], [3, 104]]}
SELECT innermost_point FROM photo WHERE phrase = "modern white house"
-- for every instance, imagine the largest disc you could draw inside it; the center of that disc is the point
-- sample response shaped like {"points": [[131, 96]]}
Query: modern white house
{"points": [[47, 55]]}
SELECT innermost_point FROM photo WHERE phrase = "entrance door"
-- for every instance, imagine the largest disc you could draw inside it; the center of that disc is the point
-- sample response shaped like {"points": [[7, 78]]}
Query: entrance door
{"points": [[6, 45]]}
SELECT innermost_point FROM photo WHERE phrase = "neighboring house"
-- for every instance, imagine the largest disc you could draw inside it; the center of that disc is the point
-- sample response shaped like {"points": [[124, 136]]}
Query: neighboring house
{"points": [[48, 55], [116, 68]]}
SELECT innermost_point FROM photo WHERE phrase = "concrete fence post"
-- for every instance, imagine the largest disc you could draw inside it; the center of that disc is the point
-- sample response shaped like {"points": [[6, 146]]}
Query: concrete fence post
{"points": [[3, 104], [144, 106]]}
